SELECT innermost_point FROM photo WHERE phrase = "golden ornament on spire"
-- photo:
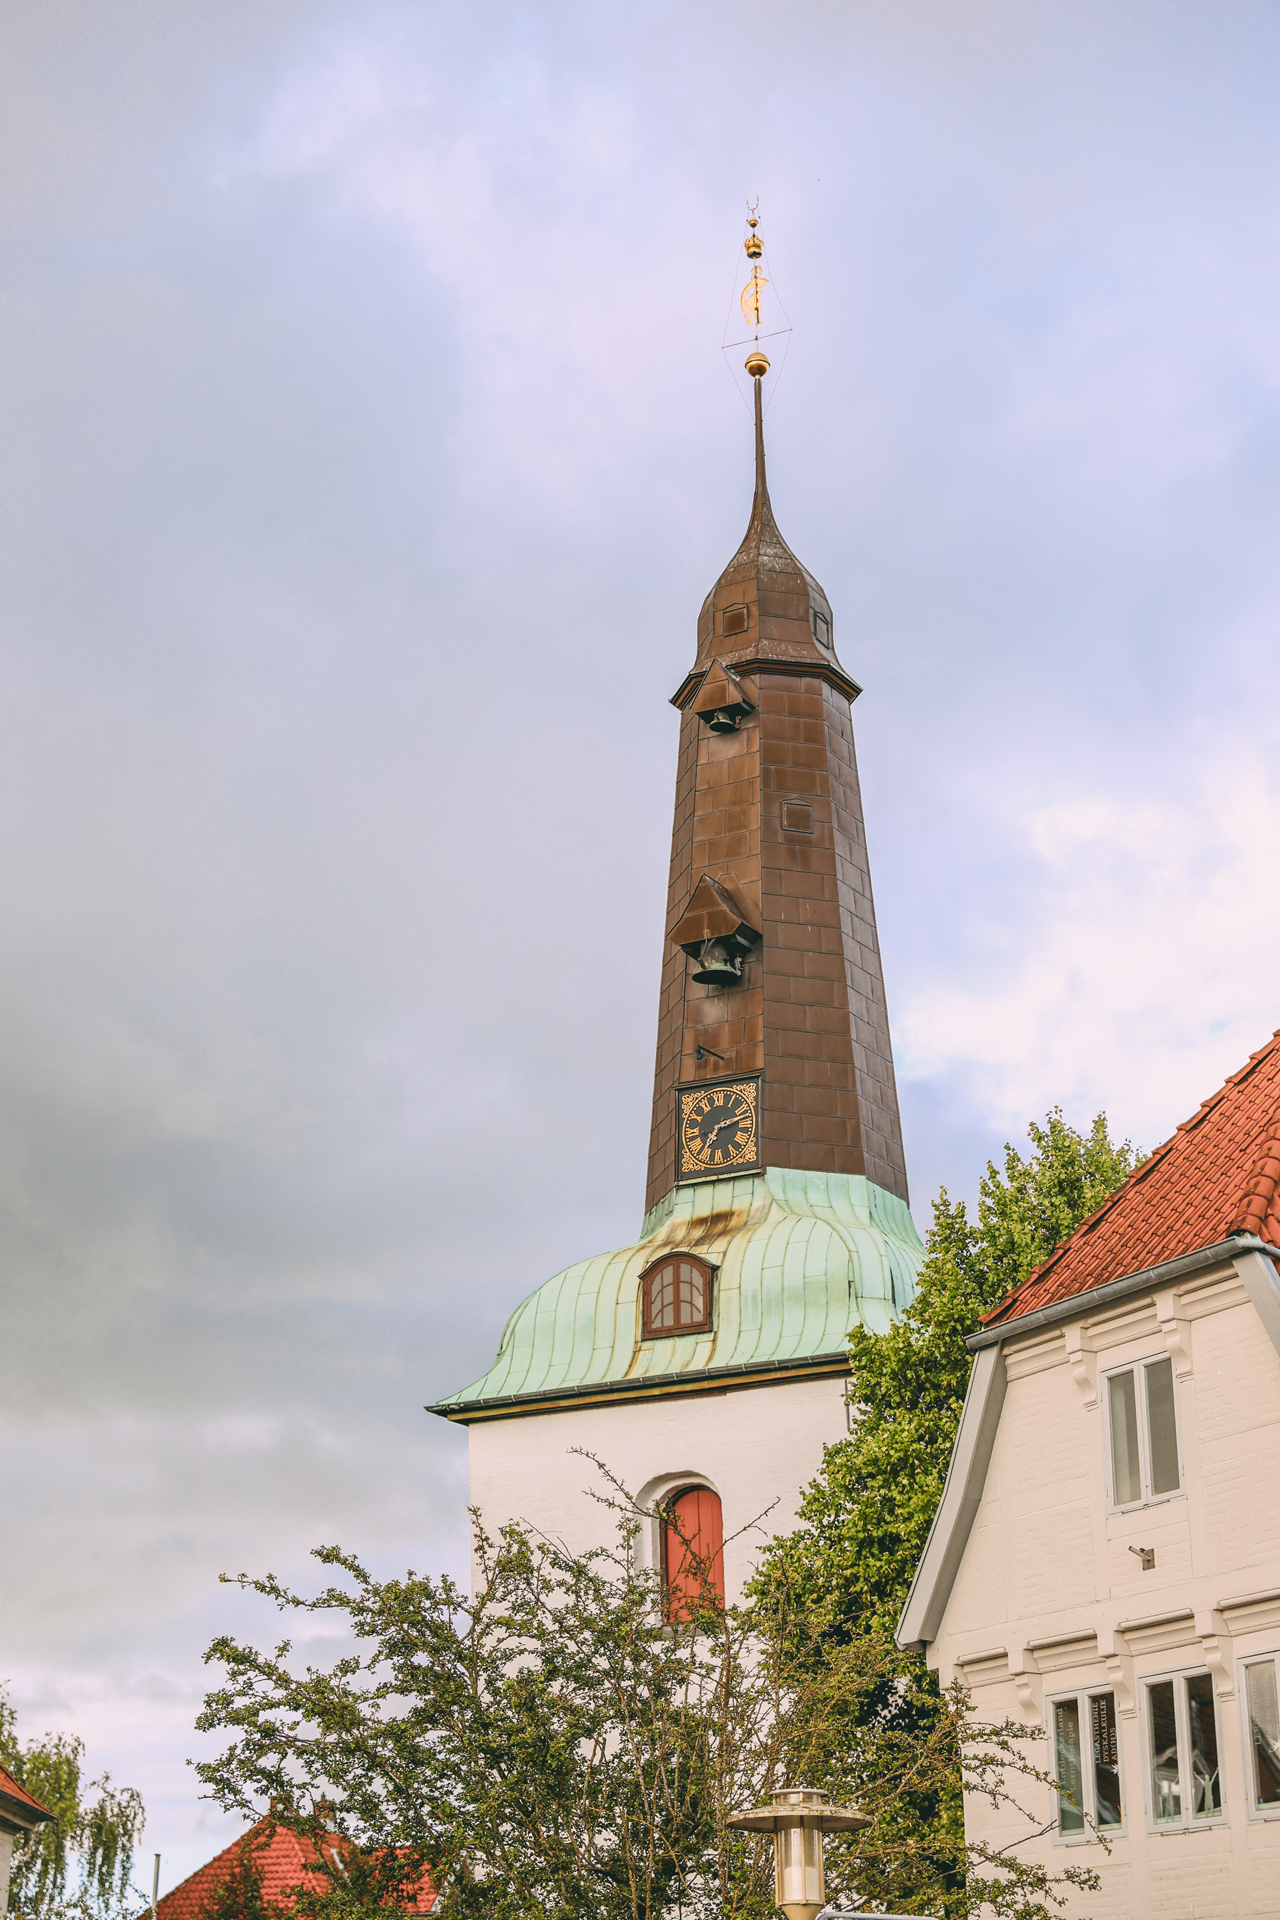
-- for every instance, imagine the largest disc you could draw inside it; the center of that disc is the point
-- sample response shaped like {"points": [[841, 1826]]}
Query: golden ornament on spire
{"points": [[751, 301], [749, 298]]}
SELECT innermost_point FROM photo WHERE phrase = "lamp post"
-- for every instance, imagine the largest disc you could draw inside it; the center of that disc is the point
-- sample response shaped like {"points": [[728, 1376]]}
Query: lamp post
{"points": [[797, 1819]]}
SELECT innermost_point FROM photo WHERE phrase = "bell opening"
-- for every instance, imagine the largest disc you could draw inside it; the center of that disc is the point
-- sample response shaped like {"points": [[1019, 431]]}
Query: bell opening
{"points": [[717, 966]]}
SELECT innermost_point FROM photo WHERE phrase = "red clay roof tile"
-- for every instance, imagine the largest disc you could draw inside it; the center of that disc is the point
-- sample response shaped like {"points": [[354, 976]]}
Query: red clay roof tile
{"points": [[284, 1860], [1217, 1176]]}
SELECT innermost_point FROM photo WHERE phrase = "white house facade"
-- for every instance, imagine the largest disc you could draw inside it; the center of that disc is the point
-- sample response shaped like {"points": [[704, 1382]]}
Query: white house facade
{"points": [[1105, 1563]]}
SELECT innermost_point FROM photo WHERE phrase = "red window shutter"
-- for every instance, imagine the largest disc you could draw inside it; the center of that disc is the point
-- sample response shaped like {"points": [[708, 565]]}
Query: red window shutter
{"points": [[693, 1551]]}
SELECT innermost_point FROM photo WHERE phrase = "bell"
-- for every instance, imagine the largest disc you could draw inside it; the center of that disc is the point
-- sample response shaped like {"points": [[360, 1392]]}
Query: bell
{"points": [[717, 965], [722, 721]]}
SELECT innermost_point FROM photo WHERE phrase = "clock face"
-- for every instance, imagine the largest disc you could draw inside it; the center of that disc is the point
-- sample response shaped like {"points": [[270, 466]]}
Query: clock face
{"points": [[719, 1128]]}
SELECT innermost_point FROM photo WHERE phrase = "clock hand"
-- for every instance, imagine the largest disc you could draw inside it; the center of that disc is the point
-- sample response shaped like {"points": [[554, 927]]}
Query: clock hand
{"points": [[733, 1120]]}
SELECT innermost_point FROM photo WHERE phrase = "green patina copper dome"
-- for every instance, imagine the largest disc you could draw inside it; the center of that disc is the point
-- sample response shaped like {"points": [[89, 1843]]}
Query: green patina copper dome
{"points": [[801, 1258]]}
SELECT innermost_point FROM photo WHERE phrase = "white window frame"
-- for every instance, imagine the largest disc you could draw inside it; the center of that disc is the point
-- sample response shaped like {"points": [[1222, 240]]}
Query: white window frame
{"points": [[1149, 1499], [1089, 1833], [1187, 1822], [1248, 1660]]}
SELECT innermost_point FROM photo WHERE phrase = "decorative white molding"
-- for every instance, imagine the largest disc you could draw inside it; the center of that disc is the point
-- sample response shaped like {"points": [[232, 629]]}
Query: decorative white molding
{"points": [[1115, 1656], [1176, 1329], [1024, 1671], [1215, 1642], [1082, 1358]]}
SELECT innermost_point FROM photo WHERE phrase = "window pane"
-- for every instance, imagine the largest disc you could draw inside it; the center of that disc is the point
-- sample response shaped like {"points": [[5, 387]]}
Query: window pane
{"points": [[1202, 1725], [1162, 1427], [663, 1283], [1066, 1740], [1166, 1797], [1123, 1403], [692, 1298], [1264, 1730], [1106, 1759]]}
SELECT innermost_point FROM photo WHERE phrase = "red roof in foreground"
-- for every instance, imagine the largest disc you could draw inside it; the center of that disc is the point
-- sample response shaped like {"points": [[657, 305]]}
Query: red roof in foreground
{"points": [[283, 1859], [12, 1790], [1217, 1176]]}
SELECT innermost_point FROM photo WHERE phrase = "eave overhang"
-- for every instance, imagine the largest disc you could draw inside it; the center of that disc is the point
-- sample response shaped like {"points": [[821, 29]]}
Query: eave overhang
{"points": [[811, 669], [759, 1373], [1075, 1304], [21, 1815]]}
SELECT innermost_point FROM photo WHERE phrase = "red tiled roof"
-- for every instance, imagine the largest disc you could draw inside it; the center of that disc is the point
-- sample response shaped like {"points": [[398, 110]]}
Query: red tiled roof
{"points": [[1217, 1176], [283, 1859], [12, 1789]]}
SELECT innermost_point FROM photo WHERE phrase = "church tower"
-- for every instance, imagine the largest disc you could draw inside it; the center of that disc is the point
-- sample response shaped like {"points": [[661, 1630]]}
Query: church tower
{"points": [[705, 1364]]}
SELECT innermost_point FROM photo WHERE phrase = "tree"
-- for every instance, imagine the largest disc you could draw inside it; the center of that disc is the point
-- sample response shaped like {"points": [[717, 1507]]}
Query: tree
{"points": [[864, 1520], [548, 1746], [240, 1895], [96, 1828]]}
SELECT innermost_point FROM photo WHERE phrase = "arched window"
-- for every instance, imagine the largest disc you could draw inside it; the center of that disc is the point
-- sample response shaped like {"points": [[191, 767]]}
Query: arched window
{"points": [[692, 1551], [677, 1296]]}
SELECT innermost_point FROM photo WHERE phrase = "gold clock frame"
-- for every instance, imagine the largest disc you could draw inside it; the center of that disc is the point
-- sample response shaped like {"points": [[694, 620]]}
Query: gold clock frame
{"points": [[700, 1096]]}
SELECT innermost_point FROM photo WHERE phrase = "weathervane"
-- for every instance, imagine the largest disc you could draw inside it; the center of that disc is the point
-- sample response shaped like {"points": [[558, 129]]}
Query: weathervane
{"points": [[751, 300]]}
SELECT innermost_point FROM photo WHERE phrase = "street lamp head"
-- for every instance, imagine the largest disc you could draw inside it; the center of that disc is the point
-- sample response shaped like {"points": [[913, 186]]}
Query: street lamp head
{"points": [[797, 1817]]}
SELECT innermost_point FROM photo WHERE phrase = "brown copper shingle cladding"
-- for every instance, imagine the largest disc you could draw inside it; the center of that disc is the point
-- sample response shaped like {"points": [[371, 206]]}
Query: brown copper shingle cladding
{"points": [[810, 1012], [1217, 1176]]}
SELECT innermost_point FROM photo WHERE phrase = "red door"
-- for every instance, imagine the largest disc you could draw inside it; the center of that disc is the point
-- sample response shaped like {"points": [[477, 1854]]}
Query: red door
{"points": [[693, 1552]]}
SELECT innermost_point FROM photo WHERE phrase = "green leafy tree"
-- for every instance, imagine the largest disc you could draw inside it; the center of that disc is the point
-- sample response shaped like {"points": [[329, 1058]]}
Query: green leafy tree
{"points": [[80, 1863], [864, 1520], [549, 1745]]}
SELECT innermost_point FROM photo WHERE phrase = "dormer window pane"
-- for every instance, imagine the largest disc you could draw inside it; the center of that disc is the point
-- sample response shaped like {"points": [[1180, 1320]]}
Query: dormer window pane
{"points": [[676, 1297], [1125, 1468]]}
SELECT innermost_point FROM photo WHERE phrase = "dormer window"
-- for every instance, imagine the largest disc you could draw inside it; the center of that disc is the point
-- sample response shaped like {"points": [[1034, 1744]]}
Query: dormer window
{"points": [[821, 629], [736, 619], [677, 1296]]}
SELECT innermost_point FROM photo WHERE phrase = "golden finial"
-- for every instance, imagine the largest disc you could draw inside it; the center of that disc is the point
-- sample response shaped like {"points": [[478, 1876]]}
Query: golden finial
{"points": [[749, 299], [752, 303]]}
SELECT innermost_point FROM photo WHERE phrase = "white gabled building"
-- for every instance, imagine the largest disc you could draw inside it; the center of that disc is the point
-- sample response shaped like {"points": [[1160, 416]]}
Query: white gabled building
{"points": [[1105, 1563]]}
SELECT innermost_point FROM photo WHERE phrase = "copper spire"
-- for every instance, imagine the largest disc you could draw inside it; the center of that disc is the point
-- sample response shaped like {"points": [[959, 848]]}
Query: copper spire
{"points": [[762, 488]]}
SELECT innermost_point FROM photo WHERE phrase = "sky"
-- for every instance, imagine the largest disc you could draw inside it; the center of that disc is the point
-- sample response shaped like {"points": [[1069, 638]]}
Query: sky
{"points": [[368, 450]]}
